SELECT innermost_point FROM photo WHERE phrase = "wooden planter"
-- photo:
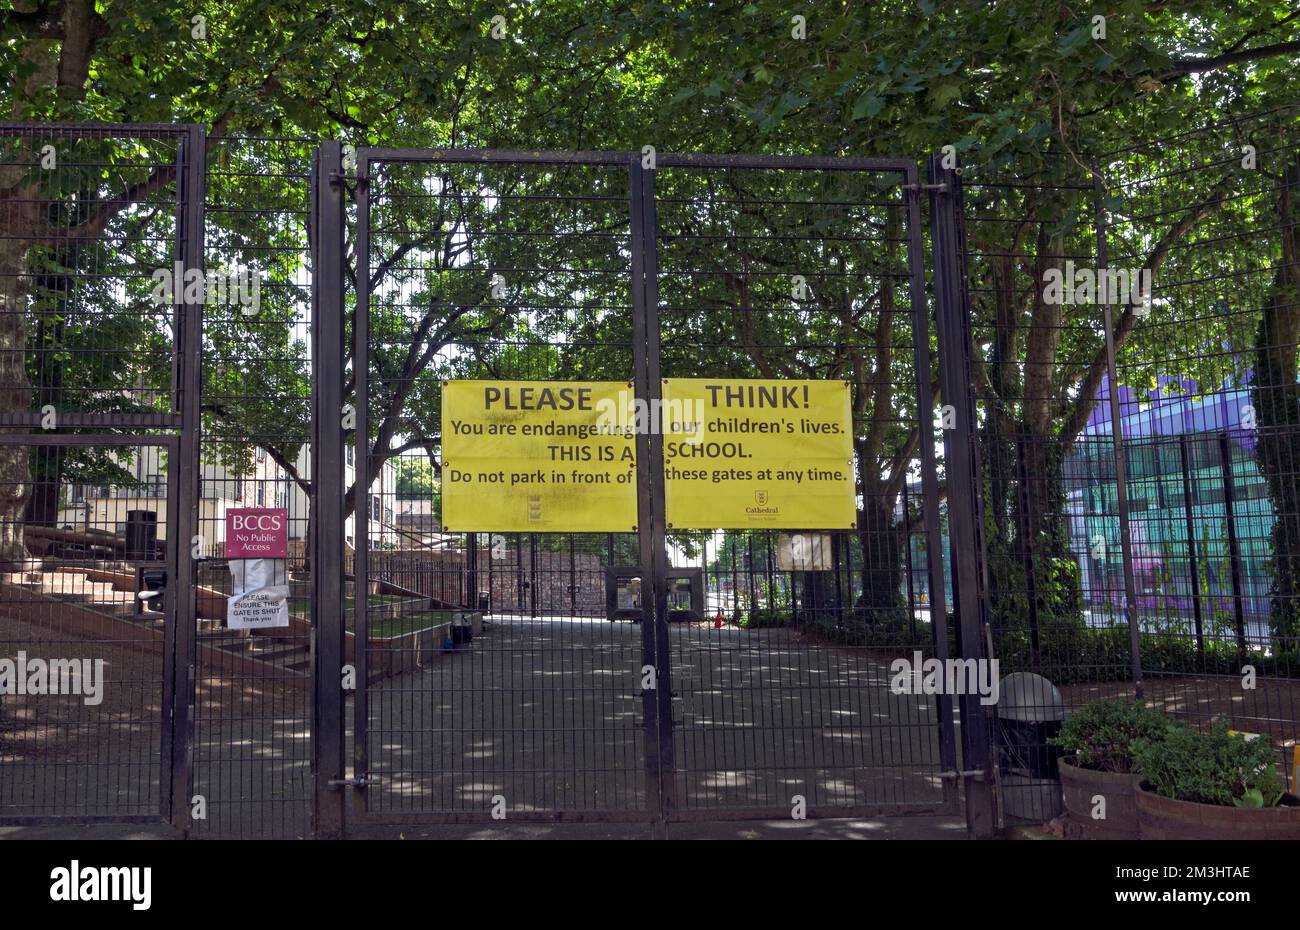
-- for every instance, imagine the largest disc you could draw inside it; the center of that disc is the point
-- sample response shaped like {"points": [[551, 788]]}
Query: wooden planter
{"points": [[1160, 818], [393, 655], [1080, 786]]}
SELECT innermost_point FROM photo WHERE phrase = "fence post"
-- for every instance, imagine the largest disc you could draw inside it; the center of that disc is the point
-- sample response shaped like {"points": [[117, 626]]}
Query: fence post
{"points": [[470, 598], [651, 520], [327, 488], [573, 578], [1117, 442], [1234, 548], [192, 182], [749, 573], [532, 574], [952, 317], [1193, 566], [911, 569]]}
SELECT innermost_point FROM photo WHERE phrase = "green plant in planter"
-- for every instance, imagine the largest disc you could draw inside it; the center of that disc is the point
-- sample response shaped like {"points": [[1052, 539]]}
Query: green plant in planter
{"points": [[1214, 767], [1101, 736]]}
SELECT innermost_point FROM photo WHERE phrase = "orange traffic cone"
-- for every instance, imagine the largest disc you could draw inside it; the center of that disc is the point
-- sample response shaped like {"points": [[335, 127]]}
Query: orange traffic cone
{"points": [[717, 621]]}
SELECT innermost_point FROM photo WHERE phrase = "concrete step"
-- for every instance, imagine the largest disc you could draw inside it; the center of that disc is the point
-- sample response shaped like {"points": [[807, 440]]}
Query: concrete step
{"points": [[275, 652], [118, 608], [72, 587]]}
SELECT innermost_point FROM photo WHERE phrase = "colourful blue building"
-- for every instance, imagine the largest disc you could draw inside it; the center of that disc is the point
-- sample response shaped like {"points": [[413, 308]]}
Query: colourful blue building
{"points": [[1187, 454]]}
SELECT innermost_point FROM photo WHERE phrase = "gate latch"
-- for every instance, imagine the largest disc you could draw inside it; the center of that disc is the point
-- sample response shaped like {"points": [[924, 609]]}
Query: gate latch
{"points": [[352, 780], [153, 582], [977, 774]]}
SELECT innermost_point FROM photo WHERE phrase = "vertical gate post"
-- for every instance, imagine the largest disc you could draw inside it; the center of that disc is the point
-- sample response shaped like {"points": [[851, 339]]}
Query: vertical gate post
{"points": [[651, 526], [1117, 443], [930, 517], [325, 546], [192, 182], [952, 314], [361, 492]]}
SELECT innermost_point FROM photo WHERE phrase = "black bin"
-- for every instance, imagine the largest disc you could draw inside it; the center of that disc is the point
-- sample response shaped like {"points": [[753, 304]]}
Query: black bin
{"points": [[1025, 747], [1030, 712], [141, 534]]}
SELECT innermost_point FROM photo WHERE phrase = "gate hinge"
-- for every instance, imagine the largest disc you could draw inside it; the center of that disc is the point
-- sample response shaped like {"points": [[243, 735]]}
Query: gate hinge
{"points": [[977, 774], [337, 178]]}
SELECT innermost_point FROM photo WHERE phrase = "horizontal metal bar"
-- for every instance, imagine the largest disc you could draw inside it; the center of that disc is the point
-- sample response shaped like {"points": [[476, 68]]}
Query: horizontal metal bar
{"points": [[691, 815], [52, 820], [694, 815], [803, 162], [123, 129], [400, 818], [498, 156], [366, 156], [123, 420], [87, 439]]}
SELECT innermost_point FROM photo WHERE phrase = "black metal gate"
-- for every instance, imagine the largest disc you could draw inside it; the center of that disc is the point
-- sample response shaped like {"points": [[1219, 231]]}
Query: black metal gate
{"points": [[460, 676], [621, 266], [98, 437]]}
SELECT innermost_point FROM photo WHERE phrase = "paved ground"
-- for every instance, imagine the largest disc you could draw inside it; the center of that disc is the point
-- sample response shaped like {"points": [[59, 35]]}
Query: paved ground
{"points": [[546, 714], [60, 756], [909, 827]]}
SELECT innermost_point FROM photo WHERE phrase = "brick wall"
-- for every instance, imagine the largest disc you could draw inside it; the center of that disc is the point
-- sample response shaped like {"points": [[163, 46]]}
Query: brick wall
{"points": [[442, 575]]}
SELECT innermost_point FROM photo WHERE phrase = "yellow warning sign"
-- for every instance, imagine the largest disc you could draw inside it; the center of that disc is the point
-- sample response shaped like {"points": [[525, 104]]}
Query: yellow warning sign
{"points": [[754, 453], [538, 456]]}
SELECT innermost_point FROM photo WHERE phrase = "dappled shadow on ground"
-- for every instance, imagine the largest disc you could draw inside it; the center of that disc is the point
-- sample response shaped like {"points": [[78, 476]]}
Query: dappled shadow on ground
{"points": [[545, 714]]}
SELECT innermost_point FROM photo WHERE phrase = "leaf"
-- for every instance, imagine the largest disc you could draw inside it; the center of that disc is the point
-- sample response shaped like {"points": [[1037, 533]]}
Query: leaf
{"points": [[943, 93], [1253, 799], [868, 105]]}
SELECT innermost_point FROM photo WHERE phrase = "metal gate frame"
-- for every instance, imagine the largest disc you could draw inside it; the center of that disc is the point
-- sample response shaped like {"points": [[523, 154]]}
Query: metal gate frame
{"points": [[330, 189], [179, 436], [908, 176]]}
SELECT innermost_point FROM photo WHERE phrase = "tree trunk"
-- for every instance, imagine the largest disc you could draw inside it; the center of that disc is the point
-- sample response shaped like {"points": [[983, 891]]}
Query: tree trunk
{"points": [[1276, 397], [882, 561], [815, 599], [15, 390], [51, 293]]}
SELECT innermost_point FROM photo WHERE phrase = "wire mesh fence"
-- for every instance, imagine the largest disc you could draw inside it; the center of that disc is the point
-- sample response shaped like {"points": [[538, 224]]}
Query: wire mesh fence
{"points": [[89, 358], [253, 688], [1134, 329], [492, 674], [1135, 370], [784, 689]]}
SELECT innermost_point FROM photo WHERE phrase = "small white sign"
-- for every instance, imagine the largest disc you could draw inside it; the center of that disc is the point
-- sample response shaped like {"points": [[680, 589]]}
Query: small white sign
{"points": [[260, 609], [804, 552], [259, 594]]}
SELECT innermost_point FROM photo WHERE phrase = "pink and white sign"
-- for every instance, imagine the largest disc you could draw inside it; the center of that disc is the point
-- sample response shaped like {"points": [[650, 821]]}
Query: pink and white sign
{"points": [[257, 533]]}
